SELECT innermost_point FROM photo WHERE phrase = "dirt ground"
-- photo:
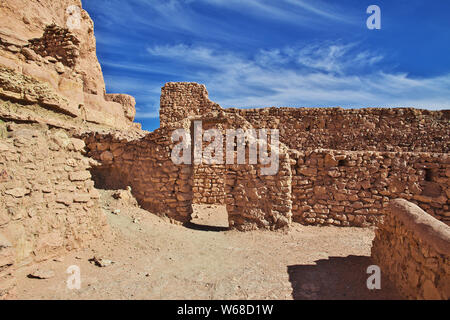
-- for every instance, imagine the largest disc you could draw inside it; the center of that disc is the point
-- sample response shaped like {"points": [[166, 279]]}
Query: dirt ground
{"points": [[154, 259]]}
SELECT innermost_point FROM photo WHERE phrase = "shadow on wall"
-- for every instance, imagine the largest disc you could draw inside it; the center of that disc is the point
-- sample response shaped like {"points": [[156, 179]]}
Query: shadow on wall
{"points": [[337, 278], [109, 178]]}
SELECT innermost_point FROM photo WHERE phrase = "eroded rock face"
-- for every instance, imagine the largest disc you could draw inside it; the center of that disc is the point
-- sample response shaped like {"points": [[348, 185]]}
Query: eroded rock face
{"points": [[52, 44]]}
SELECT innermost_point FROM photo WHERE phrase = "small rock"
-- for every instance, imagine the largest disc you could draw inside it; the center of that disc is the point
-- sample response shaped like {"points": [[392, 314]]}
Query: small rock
{"points": [[18, 192], [4, 175], [100, 262], [3, 147], [77, 144], [51, 59], [107, 156], [30, 54], [42, 274], [59, 67], [13, 49]]}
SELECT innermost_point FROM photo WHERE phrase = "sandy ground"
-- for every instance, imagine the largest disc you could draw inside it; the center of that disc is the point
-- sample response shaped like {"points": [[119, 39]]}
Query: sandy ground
{"points": [[154, 259]]}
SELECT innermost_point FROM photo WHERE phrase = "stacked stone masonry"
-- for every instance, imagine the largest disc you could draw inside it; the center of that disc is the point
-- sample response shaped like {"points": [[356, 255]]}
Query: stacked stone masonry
{"points": [[351, 188], [371, 129], [413, 249], [319, 187], [48, 203], [58, 43], [252, 200]]}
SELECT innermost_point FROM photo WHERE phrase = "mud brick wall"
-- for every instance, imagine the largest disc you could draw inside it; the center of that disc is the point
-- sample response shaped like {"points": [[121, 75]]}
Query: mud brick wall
{"points": [[376, 129], [348, 188], [48, 203], [58, 43], [413, 249]]}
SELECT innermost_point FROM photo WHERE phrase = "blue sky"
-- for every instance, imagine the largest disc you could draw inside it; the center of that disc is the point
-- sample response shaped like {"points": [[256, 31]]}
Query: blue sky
{"points": [[293, 53]]}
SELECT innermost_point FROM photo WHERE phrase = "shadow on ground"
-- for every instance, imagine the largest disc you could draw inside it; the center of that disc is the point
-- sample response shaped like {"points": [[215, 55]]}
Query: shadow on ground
{"points": [[200, 227], [337, 278]]}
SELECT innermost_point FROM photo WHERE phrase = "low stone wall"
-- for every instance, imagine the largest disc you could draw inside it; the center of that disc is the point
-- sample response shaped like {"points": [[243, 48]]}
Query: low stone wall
{"points": [[48, 203], [413, 249], [346, 188]]}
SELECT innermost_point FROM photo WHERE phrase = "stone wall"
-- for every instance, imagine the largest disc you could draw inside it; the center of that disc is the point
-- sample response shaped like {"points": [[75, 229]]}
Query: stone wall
{"points": [[352, 188], [252, 200], [145, 165], [413, 249], [58, 43], [180, 100], [259, 201], [315, 186], [335, 186], [48, 203], [398, 129]]}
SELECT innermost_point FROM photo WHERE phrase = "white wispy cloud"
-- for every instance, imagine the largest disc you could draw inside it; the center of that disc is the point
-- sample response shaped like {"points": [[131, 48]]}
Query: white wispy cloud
{"points": [[181, 16], [327, 74], [148, 114], [298, 12]]}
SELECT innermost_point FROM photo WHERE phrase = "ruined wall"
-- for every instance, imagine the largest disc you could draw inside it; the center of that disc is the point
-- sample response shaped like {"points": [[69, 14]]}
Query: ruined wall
{"points": [[332, 187], [259, 201], [413, 249], [352, 188], [209, 179], [58, 43], [145, 165], [397, 129], [48, 203], [180, 100], [252, 200]]}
